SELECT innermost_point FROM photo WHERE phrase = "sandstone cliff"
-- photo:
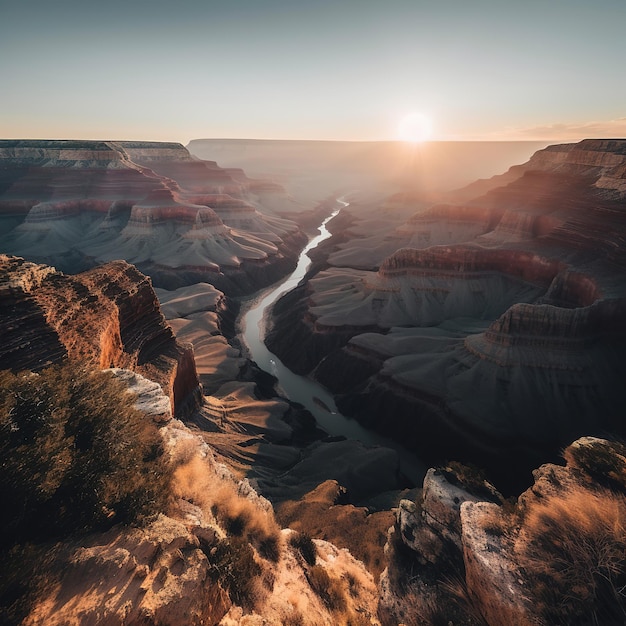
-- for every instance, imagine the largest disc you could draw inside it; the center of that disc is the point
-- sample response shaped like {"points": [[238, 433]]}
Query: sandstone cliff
{"points": [[107, 317], [216, 556]]}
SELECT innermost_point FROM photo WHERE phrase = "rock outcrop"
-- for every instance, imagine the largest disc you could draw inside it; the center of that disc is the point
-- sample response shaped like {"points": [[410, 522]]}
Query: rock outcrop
{"points": [[107, 317], [181, 220], [474, 556]]}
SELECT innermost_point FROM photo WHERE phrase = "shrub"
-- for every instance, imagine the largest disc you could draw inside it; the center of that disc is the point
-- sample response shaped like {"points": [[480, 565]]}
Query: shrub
{"points": [[232, 564], [75, 453], [269, 548], [328, 589], [305, 546], [236, 525], [573, 549]]}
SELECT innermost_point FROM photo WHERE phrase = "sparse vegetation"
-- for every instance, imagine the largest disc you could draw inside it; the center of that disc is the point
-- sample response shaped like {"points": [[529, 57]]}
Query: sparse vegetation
{"points": [[455, 587], [305, 546], [604, 461], [497, 521], [232, 564], [573, 549], [470, 477], [239, 516], [75, 454], [354, 528], [269, 548], [28, 571], [328, 589]]}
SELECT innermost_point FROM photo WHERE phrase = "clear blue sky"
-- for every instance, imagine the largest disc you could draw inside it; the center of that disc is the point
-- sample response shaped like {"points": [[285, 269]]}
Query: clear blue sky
{"points": [[182, 69]]}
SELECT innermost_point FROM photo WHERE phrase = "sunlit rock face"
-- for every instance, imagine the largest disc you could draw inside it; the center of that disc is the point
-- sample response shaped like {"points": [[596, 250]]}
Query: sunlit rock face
{"points": [[497, 333], [76, 204], [108, 316]]}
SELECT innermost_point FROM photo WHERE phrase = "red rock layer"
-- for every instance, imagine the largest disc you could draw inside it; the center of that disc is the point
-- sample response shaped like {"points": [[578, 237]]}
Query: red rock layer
{"points": [[108, 316], [468, 259]]}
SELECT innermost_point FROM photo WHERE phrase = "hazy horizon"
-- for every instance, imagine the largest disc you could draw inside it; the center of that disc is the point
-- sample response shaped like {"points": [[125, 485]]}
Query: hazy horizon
{"points": [[350, 71]]}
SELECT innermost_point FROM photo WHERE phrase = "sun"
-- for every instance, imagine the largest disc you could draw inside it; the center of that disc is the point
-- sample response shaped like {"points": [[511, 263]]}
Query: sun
{"points": [[415, 128]]}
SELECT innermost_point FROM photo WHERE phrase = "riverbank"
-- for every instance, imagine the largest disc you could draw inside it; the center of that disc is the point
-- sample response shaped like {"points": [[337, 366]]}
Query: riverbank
{"points": [[315, 398]]}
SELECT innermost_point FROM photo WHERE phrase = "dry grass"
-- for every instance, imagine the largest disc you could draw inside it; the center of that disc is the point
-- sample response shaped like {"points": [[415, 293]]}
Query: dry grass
{"points": [[330, 590], [339, 595], [498, 521], [305, 546], [240, 517], [455, 587], [233, 563], [573, 549], [292, 618], [345, 526]]}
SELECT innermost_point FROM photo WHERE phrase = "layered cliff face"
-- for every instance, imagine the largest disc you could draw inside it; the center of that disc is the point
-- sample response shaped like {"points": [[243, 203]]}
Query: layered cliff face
{"points": [[438, 225], [75, 204], [108, 316], [497, 331]]}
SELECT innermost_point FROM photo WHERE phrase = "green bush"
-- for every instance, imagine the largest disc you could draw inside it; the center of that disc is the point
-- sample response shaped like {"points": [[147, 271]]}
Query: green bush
{"points": [[75, 454]]}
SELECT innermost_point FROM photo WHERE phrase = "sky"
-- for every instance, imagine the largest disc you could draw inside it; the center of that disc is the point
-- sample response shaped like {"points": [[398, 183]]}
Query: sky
{"points": [[177, 70]]}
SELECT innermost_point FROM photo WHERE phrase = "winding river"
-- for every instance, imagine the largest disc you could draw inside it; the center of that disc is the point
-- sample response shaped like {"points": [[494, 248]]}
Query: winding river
{"points": [[304, 390]]}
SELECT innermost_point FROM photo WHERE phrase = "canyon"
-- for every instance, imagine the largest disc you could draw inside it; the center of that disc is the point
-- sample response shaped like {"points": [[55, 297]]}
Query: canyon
{"points": [[489, 331], [75, 205], [481, 324]]}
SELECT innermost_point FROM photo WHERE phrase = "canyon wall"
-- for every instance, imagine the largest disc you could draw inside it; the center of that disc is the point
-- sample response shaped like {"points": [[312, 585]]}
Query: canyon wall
{"points": [[489, 329], [107, 317], [76, 204]]}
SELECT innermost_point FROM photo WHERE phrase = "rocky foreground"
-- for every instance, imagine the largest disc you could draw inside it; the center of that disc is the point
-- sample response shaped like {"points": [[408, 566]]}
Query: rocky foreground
{"points": [[490, 329], [216, 553]]}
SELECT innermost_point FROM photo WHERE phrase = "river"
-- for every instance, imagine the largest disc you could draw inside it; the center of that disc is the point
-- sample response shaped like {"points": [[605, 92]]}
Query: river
{"points": [[305, 390]]}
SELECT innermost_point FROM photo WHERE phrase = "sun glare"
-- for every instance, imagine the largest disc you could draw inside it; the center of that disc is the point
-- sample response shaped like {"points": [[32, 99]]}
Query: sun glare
{"points": [[415, 128]]}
